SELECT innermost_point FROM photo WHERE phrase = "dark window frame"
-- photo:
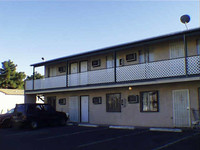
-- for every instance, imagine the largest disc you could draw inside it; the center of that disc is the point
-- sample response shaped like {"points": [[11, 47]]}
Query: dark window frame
{"points": [[109, 107], [142, 102], [62, 69], [62, 101]]}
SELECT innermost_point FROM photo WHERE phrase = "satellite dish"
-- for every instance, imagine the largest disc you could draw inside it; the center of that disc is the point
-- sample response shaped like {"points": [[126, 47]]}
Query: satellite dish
{"points": [[185, 19]]}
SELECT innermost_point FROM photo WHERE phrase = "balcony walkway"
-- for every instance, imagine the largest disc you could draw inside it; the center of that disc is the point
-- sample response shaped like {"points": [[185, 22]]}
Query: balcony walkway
{"points": [[180, 67]]}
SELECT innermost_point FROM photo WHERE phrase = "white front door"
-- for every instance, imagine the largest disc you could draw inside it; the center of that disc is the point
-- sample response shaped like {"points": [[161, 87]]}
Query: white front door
{"points": [[84, 108], [74, 109], [109, 62], [176, 49], [181, 108], [84, 74], [74, 68], [73, 77]]}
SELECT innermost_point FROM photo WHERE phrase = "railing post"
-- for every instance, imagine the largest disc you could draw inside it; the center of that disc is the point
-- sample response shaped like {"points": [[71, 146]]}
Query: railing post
{"points": [[67, 67], [33, 77], [115, 67], [185, 50]]}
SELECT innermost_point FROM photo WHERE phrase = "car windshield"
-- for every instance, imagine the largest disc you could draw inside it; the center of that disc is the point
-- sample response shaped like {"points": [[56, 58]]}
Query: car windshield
{"points": [[20, 108], [10, 111]]}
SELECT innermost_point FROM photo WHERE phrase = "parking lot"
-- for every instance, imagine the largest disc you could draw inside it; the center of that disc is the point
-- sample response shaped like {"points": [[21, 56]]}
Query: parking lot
{"points": [[100, 138]]}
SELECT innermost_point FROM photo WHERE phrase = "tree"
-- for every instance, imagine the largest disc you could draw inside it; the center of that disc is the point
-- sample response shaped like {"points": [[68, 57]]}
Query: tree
{"points": [[36, 76], [9, 77]]}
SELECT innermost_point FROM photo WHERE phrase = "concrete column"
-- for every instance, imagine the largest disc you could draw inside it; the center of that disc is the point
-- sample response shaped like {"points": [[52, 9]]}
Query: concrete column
{"points": [[30, 98]]}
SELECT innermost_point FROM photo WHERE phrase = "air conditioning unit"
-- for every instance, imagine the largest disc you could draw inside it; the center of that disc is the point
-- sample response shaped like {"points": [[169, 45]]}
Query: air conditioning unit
{"points": [[121, 61], [97, 100], [96, 63], [131, 57], [132, 99]]}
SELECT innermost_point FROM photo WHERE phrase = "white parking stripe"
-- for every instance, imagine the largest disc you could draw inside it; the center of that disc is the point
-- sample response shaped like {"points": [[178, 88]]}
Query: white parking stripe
{"points": [[110, 139], [176, 141], [64, 135], [24, 133]]}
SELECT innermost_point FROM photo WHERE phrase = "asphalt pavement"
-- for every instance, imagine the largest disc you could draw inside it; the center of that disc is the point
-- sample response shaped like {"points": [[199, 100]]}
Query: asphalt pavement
{"points": [[97, 138]]}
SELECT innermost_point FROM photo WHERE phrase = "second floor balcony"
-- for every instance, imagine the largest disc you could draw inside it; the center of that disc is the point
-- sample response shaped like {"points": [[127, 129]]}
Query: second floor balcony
{"points": [[173, 68]]}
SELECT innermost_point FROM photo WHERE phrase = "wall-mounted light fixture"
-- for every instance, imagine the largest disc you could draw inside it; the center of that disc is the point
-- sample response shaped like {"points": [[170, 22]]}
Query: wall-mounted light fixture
{"points": [[129, 88]]}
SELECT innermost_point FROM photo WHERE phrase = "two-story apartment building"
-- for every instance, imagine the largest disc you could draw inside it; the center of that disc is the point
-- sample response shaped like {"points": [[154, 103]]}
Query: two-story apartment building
{"points": [[151, 82]]}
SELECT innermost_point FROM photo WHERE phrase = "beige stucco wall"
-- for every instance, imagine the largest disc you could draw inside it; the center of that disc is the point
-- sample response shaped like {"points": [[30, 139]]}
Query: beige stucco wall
{"points": [[130, 114]]}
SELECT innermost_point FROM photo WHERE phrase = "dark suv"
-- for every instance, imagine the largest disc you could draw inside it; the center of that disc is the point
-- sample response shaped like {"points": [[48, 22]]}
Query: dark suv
{"points": [[35, 115]]}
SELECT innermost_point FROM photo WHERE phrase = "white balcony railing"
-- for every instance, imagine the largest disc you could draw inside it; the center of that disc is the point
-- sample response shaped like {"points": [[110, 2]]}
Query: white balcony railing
{"points": [[91, 77], [146, 71], [46, 83]]}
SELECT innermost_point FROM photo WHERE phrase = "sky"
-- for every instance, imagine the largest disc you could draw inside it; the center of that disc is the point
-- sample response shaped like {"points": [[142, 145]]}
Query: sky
{"points": [[30, 30]]}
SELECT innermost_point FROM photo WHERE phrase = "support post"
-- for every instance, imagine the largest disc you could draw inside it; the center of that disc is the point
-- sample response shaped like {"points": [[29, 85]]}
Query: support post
{"points": [[33, 77], [115, 66], [186, 54], [67, 67]]}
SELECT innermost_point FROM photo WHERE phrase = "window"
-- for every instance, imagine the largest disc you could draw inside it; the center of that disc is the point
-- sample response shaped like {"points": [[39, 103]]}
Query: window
{"points": [[176, 49], [62, 69], [198, 47], [146, 56], [149, 101], [62, 101], [96, 63], [113, 102]]}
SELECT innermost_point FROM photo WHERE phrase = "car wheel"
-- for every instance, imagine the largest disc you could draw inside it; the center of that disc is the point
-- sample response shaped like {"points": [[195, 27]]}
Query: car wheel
{"points": [[6, 123], [34, 124], [63, 122]]}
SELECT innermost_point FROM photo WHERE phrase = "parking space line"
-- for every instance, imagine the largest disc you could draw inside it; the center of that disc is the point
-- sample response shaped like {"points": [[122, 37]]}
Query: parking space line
{"points": [[68, 134], [20, 133], [110, 139], [176, 141]]}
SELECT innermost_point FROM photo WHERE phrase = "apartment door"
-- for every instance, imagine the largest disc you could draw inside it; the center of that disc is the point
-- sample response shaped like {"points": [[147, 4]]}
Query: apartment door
{"points": [[84, 73], [181, 108], [176, 49], [109, 61], [74, 68], [52, 101], [74, 109], [84, 108], [73, 77]]}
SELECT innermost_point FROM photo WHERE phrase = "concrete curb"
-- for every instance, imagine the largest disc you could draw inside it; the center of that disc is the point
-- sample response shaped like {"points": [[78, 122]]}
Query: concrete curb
{"points": [[122, 127], [165, 129], [70, 124], [88, 125]]}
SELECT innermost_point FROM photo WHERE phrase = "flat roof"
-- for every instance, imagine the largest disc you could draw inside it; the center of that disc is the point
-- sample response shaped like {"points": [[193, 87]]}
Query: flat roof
{"points": [[118, 47], [12, 91]]}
